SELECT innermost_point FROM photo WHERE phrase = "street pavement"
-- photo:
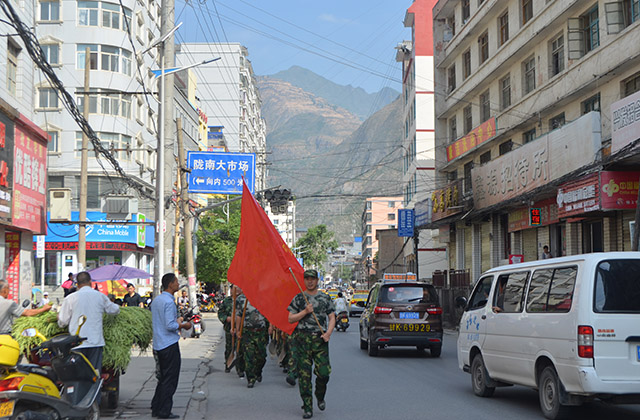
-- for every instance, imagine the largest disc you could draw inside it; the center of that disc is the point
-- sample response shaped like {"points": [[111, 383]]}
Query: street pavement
{"points": [[399, 384]]}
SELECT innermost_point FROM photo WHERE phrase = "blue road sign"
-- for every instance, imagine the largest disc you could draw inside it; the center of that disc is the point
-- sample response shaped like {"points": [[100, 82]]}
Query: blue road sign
{"points": [[405, 222], [220, 173]]}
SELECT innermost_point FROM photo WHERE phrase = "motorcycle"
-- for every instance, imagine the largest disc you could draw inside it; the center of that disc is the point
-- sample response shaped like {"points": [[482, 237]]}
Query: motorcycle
{"points": [[197, 323], [206, 302], [67, 389], [342, 321]]}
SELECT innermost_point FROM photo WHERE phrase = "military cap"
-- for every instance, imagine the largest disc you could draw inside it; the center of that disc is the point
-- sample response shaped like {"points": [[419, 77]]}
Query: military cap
{"points": [[311, 273]]}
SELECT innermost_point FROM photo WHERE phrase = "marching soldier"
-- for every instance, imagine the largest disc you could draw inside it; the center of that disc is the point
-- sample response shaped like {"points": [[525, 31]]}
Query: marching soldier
{"points": [[225, 312], [315, 314], [253, 341]]}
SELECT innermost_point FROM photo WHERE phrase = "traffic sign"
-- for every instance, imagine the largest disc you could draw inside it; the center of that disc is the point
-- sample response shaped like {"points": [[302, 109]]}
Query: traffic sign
{"points": [[220, 173], [405, 222]]}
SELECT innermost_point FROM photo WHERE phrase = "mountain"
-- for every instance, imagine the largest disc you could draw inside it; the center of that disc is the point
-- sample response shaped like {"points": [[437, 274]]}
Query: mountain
{"points": [[355, 100], [328, 158]]}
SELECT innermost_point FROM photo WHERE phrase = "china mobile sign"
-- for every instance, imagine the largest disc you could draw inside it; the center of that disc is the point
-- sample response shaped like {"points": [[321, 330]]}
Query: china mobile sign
{"points": [[538, 162]]}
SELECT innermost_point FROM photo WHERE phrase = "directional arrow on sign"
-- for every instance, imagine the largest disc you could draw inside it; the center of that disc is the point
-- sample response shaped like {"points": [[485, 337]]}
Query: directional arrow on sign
{"points": [[198, 181]]}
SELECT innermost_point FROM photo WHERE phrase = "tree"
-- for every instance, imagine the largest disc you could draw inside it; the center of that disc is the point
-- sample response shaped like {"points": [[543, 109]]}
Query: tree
{"points": [[315, 245]]}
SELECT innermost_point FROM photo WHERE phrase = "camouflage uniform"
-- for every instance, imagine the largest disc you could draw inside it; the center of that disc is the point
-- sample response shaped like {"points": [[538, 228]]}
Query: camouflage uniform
{"points": [[224, 311], [254, 340], [309, 347]]}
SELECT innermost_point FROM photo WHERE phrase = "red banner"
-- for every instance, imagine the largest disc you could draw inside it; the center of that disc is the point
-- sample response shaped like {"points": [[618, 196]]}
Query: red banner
{"points": [[29, 182], [12, 275], [477, 136], [619, 190]]}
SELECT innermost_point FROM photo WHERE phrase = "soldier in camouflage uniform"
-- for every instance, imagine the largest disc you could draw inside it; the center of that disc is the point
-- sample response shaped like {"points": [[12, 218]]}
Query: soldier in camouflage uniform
{"points": [[254, 340], [225, 311], [310, 341]]}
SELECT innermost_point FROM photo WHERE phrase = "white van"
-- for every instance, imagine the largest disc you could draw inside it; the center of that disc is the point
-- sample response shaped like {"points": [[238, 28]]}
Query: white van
{"points": [[568, 326]]}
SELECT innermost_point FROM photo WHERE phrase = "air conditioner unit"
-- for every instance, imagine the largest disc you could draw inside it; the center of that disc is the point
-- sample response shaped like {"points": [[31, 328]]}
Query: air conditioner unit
{"points": [[119, 206], [60, 204]]}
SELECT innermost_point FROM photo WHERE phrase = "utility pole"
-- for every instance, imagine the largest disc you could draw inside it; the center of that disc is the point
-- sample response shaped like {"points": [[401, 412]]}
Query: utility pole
{"points": [[176, 236], [84, 161], [416, 241], [636, 230], [186, 217]]}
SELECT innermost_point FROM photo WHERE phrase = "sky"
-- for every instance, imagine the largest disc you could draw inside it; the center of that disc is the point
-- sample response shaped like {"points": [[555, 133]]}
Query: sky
{"points": [[350, 42]]}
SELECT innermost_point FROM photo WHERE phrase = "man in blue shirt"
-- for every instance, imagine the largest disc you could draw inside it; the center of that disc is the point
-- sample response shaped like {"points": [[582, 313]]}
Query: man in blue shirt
{"points": [[166, 351]]}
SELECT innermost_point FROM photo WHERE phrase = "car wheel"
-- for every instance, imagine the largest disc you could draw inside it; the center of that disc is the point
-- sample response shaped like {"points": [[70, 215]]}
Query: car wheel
{"points": [[479, 378], [549, 393], [373, 348], [435, 351]]}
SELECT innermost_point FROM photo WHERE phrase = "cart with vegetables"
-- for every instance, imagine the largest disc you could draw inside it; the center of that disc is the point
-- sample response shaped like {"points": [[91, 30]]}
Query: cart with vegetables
{"points": [[130, 328]]}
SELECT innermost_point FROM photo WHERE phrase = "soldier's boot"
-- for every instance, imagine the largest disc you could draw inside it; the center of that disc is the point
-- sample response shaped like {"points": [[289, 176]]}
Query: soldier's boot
{"points": [[321, 390]]}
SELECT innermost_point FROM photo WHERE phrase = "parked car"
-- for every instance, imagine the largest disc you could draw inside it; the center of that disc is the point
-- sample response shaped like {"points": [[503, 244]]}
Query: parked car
{"points": [[358, 300], [402, 314], [567, 327]]}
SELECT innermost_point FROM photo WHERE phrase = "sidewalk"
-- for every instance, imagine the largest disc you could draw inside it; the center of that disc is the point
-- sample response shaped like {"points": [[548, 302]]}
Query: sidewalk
{"points": [[138, 385]]}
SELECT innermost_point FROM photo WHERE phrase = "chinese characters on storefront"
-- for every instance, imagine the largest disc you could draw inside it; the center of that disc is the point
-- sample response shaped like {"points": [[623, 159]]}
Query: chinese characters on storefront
{"points": [[446, 201], [12, 263], [482, 133], [29, 182]]}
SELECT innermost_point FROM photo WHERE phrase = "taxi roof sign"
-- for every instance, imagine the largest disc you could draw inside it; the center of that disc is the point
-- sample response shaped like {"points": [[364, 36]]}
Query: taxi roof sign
{"points": [[399, 277]]}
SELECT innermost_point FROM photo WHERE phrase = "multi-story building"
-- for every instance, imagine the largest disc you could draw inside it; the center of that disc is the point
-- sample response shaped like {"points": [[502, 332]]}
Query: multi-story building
{"points": [[379, 213], [537, 130], [229, 96], [23, 161], [419, 163], [124, 117], [284, 221]]}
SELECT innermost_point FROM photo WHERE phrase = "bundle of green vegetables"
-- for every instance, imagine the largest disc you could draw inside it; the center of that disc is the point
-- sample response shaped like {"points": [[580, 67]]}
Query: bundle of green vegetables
{"points": [[131, 327]]}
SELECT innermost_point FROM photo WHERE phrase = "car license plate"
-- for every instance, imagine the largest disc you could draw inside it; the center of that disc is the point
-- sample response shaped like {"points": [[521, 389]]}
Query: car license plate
{"points": [[409, 315], [6, 408], [410, 327]]}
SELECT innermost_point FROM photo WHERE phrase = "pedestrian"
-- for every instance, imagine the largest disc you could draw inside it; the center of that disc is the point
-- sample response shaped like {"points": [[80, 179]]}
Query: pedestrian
{"points": [[166, 350], [93, 305], [10, 310], [183, 301], [44, 300], [132, 298], [545, 253], [314, 312], [340, 304], [254, 337], [225, 312]]}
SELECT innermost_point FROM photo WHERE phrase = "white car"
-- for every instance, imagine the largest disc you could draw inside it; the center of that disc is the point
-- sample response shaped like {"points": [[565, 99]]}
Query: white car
{"points": [[569, 327]]}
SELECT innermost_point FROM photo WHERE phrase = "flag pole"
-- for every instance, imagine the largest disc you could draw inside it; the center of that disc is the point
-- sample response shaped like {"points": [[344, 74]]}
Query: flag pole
{"points": [[306, 300], [233, 328]]}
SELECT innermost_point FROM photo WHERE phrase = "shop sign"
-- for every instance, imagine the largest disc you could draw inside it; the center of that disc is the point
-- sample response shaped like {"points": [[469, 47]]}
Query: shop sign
{"points": [[535, 216], [91, 246], [537, 163], [444, 234], [482, 133], [423, 212], [6, 167], [446, 201], [625, 117], [516, 258], [29, 181], [12, 264], [405, 222], [619, 190], [579, 197], [521, 219]]}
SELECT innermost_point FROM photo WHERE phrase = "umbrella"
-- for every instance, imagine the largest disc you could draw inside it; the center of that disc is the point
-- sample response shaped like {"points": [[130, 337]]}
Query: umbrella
{"points": [[117, 272]]}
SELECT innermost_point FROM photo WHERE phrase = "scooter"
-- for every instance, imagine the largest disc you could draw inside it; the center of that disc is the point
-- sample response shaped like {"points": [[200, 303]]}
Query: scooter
{"points": [[342, 321], [68, 389], [197, 323]]}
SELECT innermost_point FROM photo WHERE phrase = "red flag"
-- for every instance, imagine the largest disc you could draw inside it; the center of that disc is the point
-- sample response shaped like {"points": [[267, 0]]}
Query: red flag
{"points": [[261, 264]]}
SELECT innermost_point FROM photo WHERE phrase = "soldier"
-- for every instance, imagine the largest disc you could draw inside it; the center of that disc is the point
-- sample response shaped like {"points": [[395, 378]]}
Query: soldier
{"points": [[253, 341], [225, 311], [315, 314]]}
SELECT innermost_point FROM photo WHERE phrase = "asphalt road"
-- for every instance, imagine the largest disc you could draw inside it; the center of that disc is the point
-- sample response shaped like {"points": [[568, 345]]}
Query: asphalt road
{"points": [[398, 384]]}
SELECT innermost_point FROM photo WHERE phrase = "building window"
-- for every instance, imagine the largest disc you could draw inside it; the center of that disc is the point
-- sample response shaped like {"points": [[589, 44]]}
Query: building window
{"points": [[591, 104], [391, 216], [485, 107], [88, 13], [50, 11], [53, 147], [529, 75], [468, 120], [632, 85], [453, 129], [51, 53], [126, 62], [483, 47], [621, 14], [391, 204], [368, 217], [12, 67], [452, 78], [591, 29], [466, 11], [505, 147], [528, 136], [93, 101], [93, 56], [111, 15], [109, 57], [505, 92], [557, 55], [503, 28], [48, 98], [466, 64], [526, 9], [556, 122], [368, 205], [583, 34], [485, 157], [467, 176]]}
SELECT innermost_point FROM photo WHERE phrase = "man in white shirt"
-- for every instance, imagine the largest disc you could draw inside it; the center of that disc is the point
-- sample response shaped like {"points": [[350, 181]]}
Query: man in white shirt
{"points": [[45, 299], [93, 305]]}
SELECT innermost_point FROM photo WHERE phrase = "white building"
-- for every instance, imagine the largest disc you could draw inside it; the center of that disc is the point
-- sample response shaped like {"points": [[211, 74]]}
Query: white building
{"points": [[229, 96]]}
